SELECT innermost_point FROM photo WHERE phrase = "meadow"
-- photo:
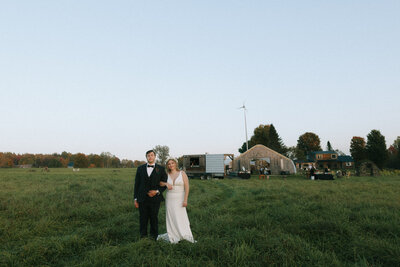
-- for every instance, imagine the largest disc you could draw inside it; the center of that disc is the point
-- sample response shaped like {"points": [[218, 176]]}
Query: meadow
{"points": [[87, 218]]}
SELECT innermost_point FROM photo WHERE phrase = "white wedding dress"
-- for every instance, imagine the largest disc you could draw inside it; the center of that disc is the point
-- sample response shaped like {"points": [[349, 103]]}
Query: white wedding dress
{"points": [[178, 226]]}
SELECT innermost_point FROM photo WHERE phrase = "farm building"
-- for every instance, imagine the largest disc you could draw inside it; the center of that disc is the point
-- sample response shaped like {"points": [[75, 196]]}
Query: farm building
{"points": [[326, 159], [261, 156]]}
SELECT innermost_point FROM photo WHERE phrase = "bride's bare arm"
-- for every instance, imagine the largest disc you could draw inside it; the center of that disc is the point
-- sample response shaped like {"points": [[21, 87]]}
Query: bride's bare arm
{"points": [[186, 185], [169, 186]]}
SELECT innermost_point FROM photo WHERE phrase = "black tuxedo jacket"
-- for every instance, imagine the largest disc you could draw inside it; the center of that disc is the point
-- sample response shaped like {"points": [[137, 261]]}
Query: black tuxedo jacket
{"points": [[144, 183]]}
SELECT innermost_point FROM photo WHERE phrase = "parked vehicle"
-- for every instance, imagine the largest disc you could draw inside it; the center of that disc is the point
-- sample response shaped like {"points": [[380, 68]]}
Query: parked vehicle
{"points": [[206, 166]]}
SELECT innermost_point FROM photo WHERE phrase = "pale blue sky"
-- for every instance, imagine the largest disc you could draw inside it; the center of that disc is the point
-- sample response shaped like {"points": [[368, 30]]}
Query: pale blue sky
{"points": [[124, 76]]}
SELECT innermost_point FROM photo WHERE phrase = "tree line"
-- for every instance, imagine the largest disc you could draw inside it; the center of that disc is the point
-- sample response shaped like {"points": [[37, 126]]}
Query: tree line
{"points": [[374, 149], [65, 159]]}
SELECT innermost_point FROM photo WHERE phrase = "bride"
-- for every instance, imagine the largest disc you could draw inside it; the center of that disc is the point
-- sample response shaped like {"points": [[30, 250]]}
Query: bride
{"points": [[178, 226]]}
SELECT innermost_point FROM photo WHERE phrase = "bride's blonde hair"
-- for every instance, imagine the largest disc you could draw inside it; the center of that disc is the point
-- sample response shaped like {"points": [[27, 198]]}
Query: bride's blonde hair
{"points": [[176, 164]]}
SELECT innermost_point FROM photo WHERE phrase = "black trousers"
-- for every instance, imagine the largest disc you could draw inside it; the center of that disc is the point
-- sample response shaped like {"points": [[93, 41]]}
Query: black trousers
{"points": [[148, 211]]}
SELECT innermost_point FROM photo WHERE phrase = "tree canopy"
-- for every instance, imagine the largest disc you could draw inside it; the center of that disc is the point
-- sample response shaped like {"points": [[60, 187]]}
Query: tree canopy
{"points": [[162, 153], [376, 148], [307, 142], [268, 136], [329, 146], [55, 160], [357, 149], [394, 155]]}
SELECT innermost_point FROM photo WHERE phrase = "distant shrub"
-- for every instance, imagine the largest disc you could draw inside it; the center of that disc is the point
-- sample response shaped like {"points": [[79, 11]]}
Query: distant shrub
{"points": [[388, 172]]}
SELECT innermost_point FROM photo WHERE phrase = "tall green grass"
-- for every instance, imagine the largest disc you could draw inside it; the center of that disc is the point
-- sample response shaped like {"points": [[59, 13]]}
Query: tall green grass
{"points": [[87, 218]]}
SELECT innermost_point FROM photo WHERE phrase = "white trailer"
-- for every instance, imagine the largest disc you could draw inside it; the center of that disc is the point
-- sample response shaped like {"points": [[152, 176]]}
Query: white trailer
{"points": [[215, 166], [205, 165]]}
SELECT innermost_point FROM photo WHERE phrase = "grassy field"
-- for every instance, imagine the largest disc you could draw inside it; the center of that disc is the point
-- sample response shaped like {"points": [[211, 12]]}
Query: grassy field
{"points": [[87, 218]]}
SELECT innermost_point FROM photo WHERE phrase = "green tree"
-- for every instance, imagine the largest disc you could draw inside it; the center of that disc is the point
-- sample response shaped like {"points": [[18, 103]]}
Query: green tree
{"points": [[357, 149], [180, 162], [66, 155], [243, 148], [260, 136], [54, 161], [307, 142], [106, 156], [393, 161], [275, 142], [162, 153], [265, 135], [376, 148], [81, 161], [396, 143], [329, 146]]}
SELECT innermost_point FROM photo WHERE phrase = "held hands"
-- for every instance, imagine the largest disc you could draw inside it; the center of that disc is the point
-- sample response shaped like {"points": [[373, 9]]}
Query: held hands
{"points": [[152, 193], [168, 185]]}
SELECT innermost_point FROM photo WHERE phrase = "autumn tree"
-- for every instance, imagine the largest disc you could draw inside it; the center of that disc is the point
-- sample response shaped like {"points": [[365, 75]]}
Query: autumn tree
{"points": [[27, 159], [376, 148], [307, 142], [357, 149], [394, 155], [96, 160], [162, 153], [137, 163], [64, 162], [7, 160], [81, 161], [115, 162]]}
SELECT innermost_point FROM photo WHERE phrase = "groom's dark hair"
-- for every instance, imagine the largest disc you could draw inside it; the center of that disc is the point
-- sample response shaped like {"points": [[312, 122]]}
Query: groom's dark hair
{"points": [[148, 152]]}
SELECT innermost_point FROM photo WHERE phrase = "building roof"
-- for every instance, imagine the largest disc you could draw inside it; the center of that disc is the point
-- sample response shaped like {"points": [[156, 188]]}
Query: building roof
{"points": [[262, 147], [323, 152], [312, 156], [345, 159]]}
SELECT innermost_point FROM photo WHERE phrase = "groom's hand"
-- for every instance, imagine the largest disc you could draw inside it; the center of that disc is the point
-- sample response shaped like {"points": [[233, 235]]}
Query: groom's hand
{"points": [[136, 204], [152, 193]]}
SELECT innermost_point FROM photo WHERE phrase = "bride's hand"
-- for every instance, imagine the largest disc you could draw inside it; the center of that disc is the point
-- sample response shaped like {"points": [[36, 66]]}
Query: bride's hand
{"points": [[169, 186], [184, 204]]}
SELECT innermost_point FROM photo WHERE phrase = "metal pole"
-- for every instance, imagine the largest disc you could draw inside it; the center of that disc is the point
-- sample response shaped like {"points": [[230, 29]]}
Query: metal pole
{"points": [[245, 128]]}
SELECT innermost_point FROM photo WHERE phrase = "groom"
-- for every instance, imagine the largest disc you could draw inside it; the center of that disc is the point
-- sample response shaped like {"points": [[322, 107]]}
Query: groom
{"points": [[148, 193]]}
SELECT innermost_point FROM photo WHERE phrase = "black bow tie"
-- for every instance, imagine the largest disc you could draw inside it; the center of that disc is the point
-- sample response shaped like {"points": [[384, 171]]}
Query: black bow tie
{"points": [[150, 166]]}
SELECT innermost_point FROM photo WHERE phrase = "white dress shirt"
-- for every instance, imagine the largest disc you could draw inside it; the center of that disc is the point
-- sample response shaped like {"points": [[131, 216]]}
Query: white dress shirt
{"points": [[149, 169]]}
